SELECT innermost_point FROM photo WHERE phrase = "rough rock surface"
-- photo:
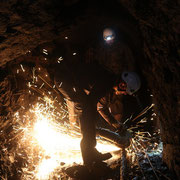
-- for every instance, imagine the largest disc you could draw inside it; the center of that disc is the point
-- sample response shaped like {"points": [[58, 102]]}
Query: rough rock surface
{"points": [[159, 24], [26, 24]]}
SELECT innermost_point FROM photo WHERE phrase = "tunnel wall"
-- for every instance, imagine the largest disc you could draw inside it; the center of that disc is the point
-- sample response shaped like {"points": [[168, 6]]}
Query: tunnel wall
{"points": [[159, 23], [26, 24]]}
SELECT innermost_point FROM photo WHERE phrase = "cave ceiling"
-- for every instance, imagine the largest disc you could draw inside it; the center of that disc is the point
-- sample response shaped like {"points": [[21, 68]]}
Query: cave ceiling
{"points": [[27, 24]]}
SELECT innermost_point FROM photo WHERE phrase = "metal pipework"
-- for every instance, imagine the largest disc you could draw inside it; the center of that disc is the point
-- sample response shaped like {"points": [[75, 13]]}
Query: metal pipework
{"points": [[115, 138]]}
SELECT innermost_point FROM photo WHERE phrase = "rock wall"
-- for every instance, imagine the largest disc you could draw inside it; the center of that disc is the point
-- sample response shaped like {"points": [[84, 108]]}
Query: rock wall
{"points": [[159, 23], [26, 24]]}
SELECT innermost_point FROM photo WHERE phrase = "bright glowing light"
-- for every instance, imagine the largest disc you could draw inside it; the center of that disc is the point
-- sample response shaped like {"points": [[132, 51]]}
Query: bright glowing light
{"points": [[47, 100], [108, 35], [108, 38], [22, 68], [51, 140], [57, 144], [46, 167]]}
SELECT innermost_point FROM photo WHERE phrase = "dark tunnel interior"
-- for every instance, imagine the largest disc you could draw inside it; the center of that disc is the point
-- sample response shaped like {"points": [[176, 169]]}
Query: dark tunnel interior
{"points": [[38, 139]]}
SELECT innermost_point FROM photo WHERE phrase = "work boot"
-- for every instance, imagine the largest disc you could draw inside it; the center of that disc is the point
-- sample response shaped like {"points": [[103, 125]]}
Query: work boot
{"points": [[91, 156]]}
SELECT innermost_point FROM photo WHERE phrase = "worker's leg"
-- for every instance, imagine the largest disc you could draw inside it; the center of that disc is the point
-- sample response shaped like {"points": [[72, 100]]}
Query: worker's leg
{"points": [[86, 115], [73, 113], [87, 125], [88, 142]]}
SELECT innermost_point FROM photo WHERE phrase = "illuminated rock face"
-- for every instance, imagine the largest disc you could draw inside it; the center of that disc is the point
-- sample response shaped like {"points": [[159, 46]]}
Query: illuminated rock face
{"points": [[151, 33]]}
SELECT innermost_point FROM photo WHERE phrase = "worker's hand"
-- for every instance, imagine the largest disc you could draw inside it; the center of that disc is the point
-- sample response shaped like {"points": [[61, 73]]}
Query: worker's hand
{"points": [[119, 127]]}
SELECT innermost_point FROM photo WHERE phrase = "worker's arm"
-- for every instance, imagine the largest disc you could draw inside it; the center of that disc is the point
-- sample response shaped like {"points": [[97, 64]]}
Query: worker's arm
{"points": [[103, 109]]}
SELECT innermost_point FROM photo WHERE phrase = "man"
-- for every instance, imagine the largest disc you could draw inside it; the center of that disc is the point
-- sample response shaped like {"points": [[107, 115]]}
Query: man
{"points": [[110, 106], [85, 85]]}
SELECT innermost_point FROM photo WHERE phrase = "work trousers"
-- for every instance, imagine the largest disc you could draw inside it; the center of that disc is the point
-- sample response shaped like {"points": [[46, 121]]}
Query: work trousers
{"points": [[72, 81], [85, 108]]}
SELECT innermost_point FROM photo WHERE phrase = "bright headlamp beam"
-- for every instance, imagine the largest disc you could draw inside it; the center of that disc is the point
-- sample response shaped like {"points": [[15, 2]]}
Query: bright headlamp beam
{"points": [[108, 38]]}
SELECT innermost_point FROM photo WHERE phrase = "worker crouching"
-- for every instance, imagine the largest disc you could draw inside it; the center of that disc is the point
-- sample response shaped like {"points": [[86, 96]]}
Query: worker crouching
{"points": [[86, 88]]}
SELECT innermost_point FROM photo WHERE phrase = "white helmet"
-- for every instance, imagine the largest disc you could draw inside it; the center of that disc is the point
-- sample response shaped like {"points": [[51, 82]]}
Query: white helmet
{"points": [[132, 80]]}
